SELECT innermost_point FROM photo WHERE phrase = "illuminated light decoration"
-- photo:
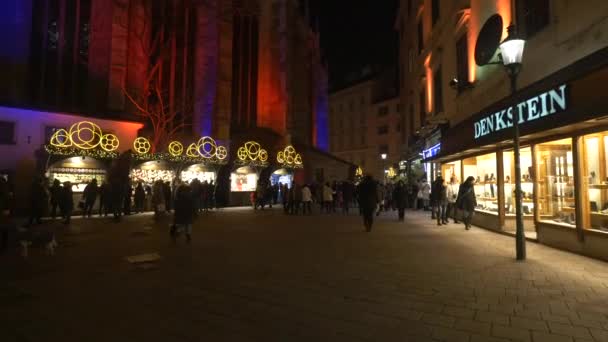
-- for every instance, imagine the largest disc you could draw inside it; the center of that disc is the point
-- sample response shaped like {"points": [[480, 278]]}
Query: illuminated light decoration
{"points": [[431, 151], [391, 172], [253, 153], [72, 151], [141, 145], [109, 142], [176, 148], [206, 147], [359, 172], [61, 138], [192, 151], [289, 158], [85, 135], [221, 153]]}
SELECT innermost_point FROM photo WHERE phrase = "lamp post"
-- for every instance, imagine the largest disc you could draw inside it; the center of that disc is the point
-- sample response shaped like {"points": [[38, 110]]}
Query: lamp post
{"points": [[511, 51], [383, 157]]}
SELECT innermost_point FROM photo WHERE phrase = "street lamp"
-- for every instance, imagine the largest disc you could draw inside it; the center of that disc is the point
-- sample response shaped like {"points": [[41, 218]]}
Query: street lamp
{"points": [[384, 171], [512, 51]]}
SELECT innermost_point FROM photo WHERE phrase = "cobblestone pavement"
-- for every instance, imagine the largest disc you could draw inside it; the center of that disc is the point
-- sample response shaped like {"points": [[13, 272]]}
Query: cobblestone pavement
{"points": [[263, 276]]}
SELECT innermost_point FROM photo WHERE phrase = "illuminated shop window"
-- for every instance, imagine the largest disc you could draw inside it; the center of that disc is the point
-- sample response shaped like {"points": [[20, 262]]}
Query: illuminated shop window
{"points": [[555, 181], [483, 169], [527, 185], [595, 173]]}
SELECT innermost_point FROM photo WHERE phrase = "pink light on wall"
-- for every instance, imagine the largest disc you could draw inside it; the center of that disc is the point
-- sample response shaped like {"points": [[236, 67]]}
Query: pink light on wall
{"points": [[429, 83]]}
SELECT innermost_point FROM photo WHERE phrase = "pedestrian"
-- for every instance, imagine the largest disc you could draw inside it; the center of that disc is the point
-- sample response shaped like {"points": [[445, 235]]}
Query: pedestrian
{"points": [[168, 196], [103, 192], [140, 198], [67, 202], [158, 197], [400, 199], [368, 200], [452, 192], [425, 194], [467, 201], [328, 197], [55, 193], [285, 197], [295, 198], [90, 196], [440, 200], [347, 197], [183, 215], [306, 200], [127, 199], [38, 200]]}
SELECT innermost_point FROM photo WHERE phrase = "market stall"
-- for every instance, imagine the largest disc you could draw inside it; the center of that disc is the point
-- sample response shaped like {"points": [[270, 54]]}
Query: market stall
{"points": [[245, 176]]}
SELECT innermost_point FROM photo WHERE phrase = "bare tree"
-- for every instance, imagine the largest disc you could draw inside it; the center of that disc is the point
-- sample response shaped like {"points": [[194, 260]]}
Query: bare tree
{"points": [[154, 36]]}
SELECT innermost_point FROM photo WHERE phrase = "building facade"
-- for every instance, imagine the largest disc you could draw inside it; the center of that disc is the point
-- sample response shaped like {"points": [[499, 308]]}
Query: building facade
{"points": [[466, 106], [233, 70], [366, 124]]}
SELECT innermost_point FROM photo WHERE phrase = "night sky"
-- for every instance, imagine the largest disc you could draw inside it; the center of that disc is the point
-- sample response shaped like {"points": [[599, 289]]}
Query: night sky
{"points": [[356, 33]]}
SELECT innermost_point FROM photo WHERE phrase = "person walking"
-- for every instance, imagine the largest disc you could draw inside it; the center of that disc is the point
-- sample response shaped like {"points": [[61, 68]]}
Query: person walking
{"points": [[400, 199], [140, 198], [183, 215], [306, 200], [368, 200], [38, 201], [347, 197], [467, 201], [440, 200], [55, 193], [328, 197], [452, 192], [67, 202], [158, 197], [167, 196], [380, 193], [90, 196], [425, 194]]}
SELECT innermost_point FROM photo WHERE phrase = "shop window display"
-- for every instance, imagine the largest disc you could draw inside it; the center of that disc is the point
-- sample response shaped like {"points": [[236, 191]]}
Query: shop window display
{"points": [[596, 181], [243, 180], [527, 185], [79, 171], [555, 181], [450, 170], [483, 169], [200, 172], [151, 171]]}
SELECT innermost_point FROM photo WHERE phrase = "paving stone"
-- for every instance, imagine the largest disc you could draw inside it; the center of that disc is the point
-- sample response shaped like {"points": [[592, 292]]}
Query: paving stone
{"points": [[484, 338], [471, 326], [569, 330], [545, 337], [438, 319], [528, 323], [515, 334], [450, 335], [599, 335], [459, 312]]}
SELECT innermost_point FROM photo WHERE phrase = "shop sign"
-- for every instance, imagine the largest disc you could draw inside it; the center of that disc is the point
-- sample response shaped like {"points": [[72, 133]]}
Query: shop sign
{"points": [[536, 108], [431, 152]]}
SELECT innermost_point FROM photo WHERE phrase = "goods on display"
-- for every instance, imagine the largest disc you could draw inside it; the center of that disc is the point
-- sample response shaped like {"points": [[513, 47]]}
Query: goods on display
{"points": [[150, 176]]}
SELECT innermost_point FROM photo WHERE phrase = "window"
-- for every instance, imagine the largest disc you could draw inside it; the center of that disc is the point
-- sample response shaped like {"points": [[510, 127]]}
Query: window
{"points": [[362, 119], [422, 108], [420, 37], [398, 108], [555, 182], [527, 188], [435, 11], [438, 96], [383, 111], [462, 63], [533, 16], [399, 127], [383, 130], [383, 149], [362, 100], [483, 169], [595, 164], [351, 106], [7, 133]]}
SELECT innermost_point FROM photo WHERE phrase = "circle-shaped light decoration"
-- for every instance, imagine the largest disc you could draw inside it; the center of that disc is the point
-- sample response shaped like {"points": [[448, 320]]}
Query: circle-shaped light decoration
{"points": [[241, 153], [141, 145], [281, 157], [192, 151], [61, 138], [221, 153], [207, 147], [253, 149], [176, 148], [85, 135], [109, 142], [263, 156], [298, 159]]}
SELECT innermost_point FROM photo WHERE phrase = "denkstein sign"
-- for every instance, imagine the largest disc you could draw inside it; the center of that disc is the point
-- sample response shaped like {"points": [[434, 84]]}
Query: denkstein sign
{"points": [[536, 108]]}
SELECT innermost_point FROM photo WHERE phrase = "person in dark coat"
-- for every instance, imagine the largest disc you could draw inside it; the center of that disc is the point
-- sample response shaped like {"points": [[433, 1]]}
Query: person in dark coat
{"points": [[183, 215], [368, 200], [90, 196], [127, 199], [103, 198], [38, 201], [440, 200], [140, 197], [347, 197], [55, 193], [67, 202], [467, 201], [400, 195], [168, 196]]}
